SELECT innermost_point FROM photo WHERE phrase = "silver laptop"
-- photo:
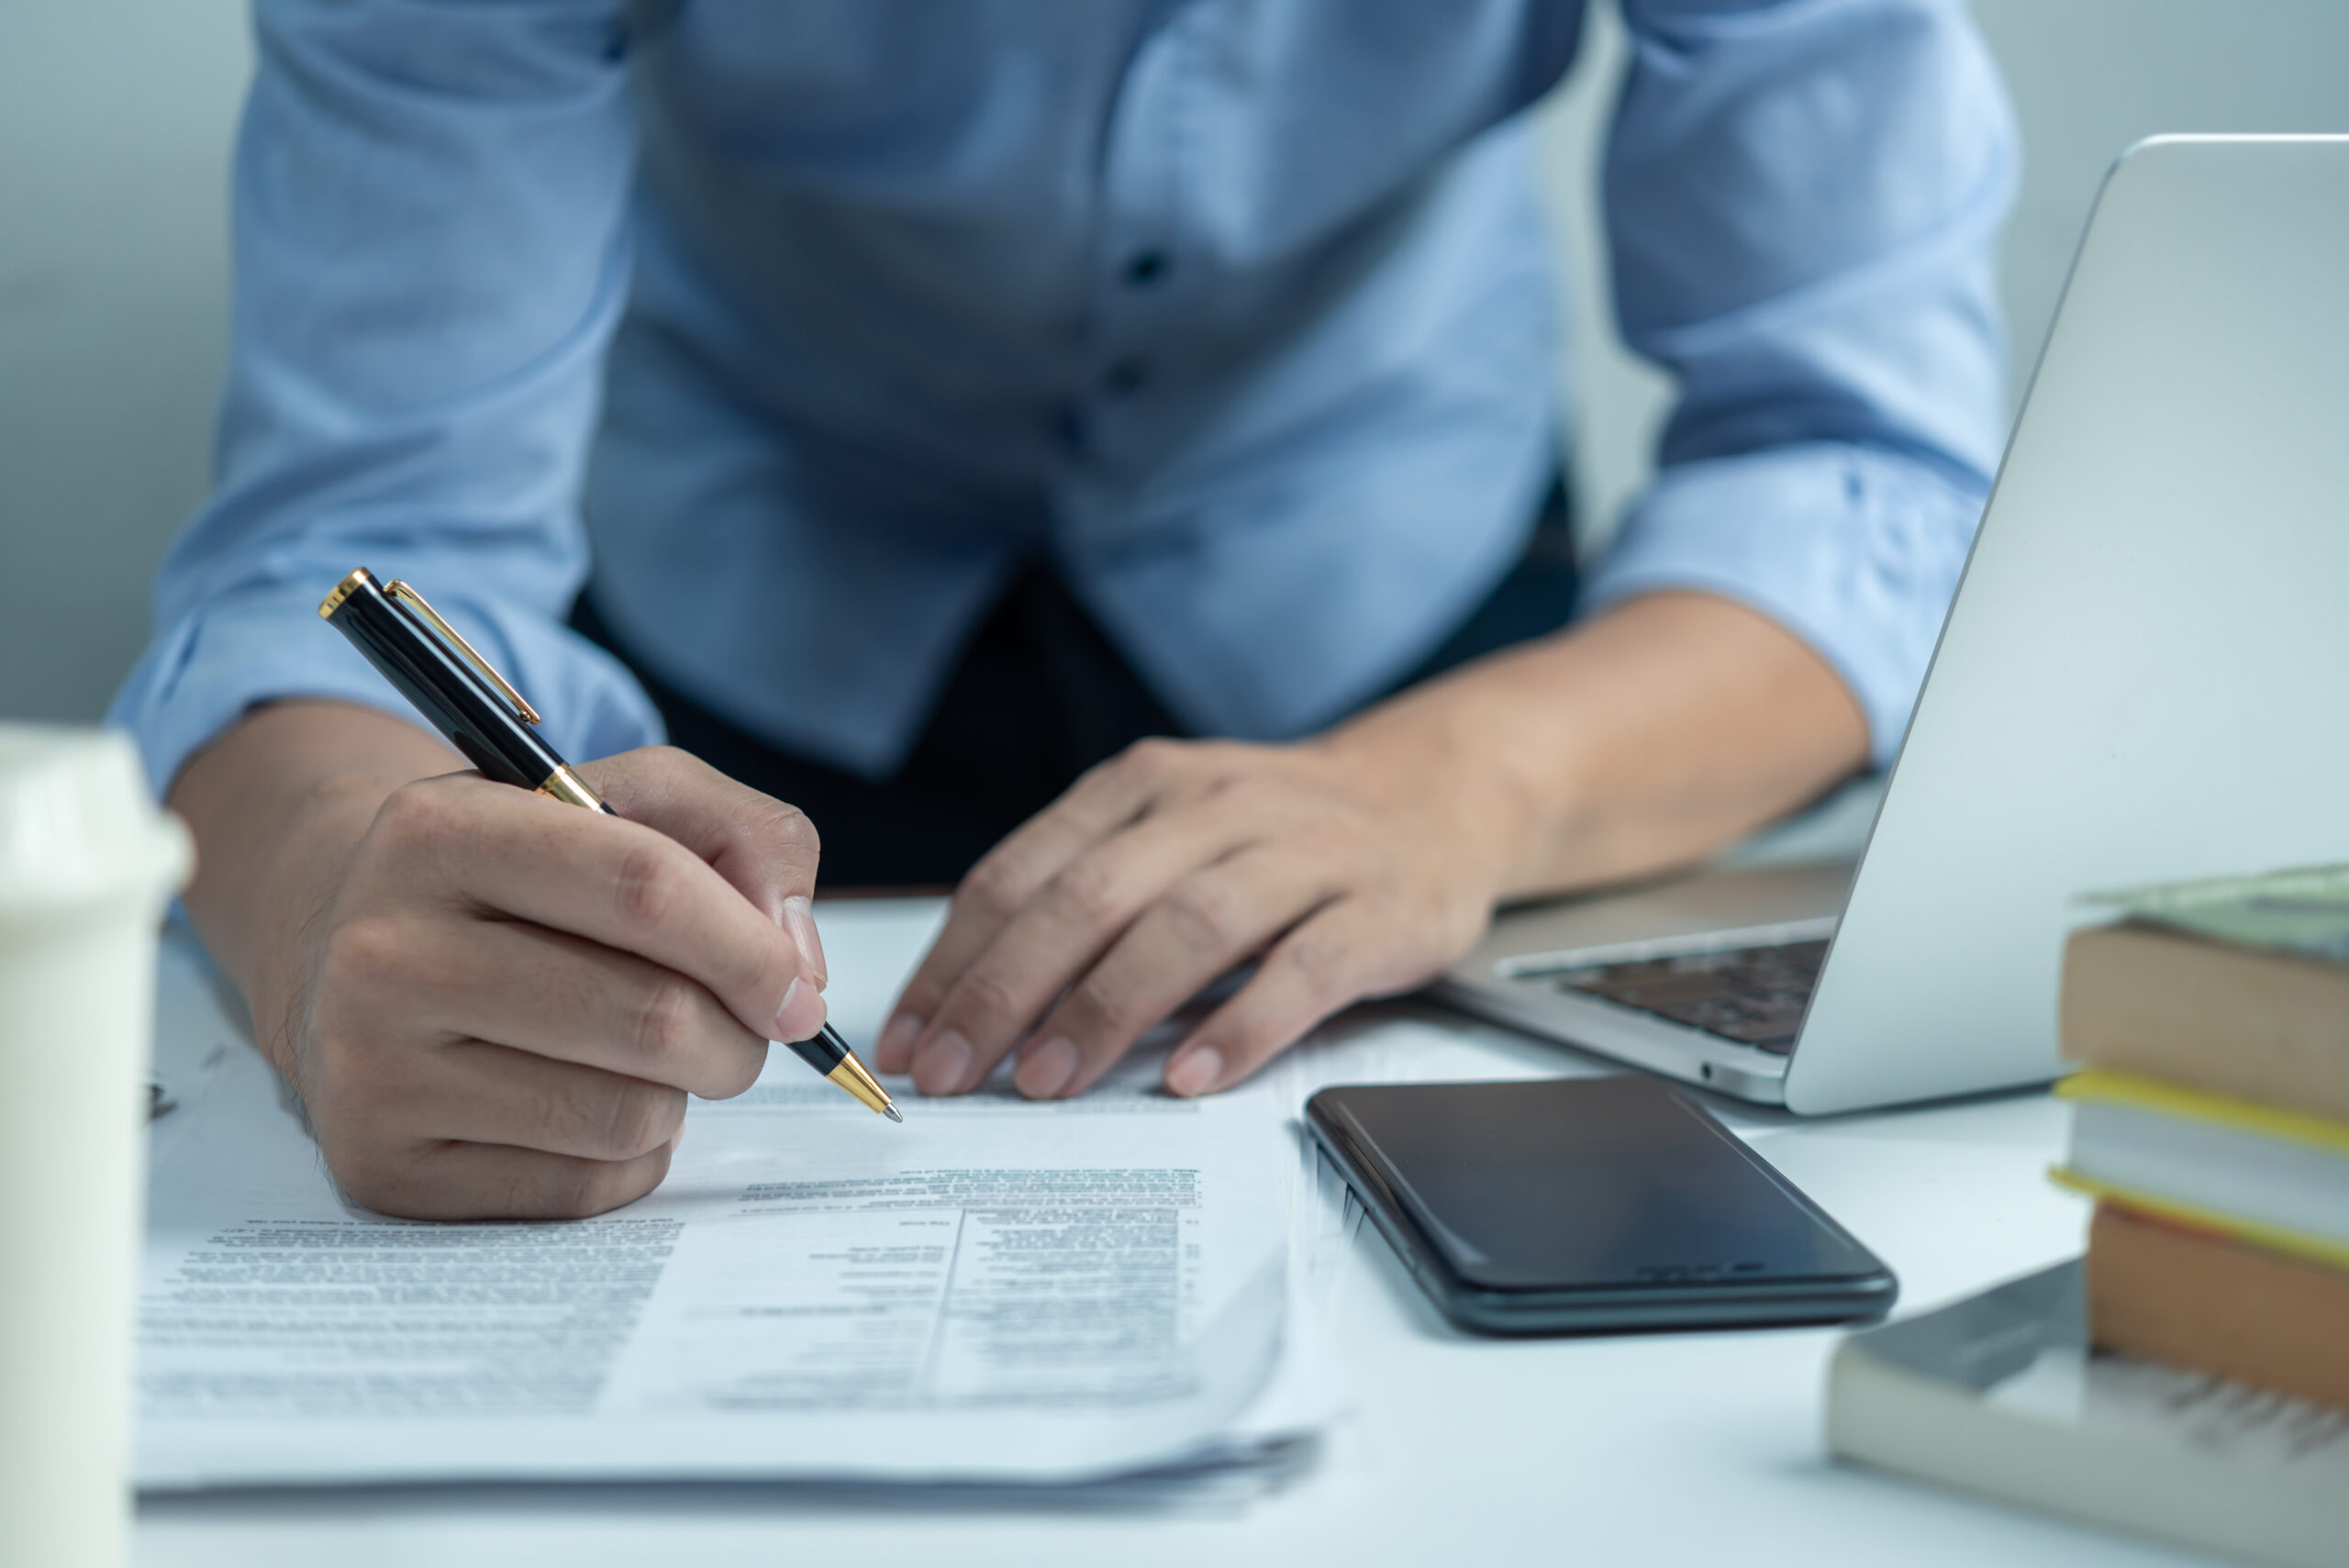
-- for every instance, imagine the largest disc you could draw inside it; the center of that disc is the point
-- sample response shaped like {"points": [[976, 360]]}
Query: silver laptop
{"points": [[2144, 675]]}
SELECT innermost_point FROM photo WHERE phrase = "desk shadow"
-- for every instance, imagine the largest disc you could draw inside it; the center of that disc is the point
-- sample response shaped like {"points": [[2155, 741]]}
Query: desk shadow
{"points": [[1207, 1491], [1918, 1507]]}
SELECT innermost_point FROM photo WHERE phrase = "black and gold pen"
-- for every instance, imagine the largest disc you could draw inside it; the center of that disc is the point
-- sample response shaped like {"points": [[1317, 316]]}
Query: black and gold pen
{"points": [[487, 720]]}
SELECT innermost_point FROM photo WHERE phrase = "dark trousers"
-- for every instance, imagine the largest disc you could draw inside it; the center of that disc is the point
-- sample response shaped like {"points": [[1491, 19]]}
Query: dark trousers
{"points": [[1040, 696]]}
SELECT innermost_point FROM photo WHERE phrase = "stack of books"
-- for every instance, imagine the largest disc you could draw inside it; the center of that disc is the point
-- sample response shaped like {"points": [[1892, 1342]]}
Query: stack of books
{"points": [[2190, 1378], [2212, 1127]]}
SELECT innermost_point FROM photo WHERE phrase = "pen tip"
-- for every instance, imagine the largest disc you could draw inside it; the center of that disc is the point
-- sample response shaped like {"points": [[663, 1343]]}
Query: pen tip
{"points": [[891, 1112]]}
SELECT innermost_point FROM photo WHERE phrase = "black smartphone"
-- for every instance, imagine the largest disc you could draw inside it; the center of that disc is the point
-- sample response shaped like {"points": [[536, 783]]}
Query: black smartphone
{"points": [[1571, 1204]]}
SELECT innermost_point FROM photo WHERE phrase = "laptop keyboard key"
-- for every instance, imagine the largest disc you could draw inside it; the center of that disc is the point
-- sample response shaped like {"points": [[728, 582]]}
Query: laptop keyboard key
{"points": [[1754, 996]]}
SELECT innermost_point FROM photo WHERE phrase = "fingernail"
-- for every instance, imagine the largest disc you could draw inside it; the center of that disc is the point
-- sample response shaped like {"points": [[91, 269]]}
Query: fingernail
{"points": [[1045, 1069], [802, 1013], [939, 1069], [894, 1052], [1193, 1072], [799, 921]]}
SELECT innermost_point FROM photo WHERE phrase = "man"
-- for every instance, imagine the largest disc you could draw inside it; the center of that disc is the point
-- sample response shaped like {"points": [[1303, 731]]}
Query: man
{"points": [[984, 389]]}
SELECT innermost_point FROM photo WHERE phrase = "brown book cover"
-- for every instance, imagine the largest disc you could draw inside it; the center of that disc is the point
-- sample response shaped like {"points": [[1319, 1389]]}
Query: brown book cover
{"points": [[2213, 1016], [2169, 1293]]}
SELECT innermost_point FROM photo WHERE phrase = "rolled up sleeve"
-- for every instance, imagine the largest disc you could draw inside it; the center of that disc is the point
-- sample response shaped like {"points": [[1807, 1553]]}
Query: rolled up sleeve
{"points": [[431, 251], [1804, 200]]}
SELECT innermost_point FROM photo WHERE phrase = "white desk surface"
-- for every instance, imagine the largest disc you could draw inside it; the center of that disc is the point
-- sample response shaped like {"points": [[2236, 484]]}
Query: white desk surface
{"points": [[1650, 1449]]}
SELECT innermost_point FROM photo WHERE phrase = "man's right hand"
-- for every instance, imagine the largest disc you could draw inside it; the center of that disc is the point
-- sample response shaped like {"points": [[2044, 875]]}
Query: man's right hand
{"points": [[493, 1005]]}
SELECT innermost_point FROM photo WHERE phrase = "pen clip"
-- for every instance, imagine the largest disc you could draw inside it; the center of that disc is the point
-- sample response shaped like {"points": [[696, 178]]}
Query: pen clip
{"points": [[397, 588]]}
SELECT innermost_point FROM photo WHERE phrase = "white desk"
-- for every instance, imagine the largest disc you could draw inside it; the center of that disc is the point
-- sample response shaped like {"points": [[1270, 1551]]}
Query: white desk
{"points": [[1656, 1448]]}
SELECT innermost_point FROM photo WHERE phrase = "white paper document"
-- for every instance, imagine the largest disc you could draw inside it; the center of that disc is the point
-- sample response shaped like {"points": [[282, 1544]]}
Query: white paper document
{"points": [[994, 1291]]}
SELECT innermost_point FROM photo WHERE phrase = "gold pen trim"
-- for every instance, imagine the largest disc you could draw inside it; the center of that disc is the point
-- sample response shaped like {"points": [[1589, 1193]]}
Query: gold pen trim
{"points": [[342, 590], [399, 588], [572, 790], [850, 1075]]}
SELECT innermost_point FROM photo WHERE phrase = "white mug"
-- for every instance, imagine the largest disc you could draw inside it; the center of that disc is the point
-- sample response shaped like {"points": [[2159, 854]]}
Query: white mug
{"points": [[87, 864]]}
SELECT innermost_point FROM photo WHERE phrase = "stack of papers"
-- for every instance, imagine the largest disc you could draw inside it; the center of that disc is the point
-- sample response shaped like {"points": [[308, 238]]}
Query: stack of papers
{"points": [[995, 1292]]}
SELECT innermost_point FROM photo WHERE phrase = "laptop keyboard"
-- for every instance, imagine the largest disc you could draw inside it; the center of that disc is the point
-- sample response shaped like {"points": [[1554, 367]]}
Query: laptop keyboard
{"points": [[1752, 995]]}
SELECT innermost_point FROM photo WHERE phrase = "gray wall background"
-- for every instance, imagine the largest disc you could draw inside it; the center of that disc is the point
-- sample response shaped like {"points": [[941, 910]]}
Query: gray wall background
{"points": [[116, 117]]}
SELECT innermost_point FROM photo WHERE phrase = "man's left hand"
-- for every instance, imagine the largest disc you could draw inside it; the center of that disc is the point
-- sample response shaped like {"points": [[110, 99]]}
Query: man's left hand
{"points": [[1350, 866]]}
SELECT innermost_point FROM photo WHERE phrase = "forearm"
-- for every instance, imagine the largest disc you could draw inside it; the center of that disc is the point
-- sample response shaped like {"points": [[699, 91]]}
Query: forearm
{"points": [[1647, 737], [276, 805]]}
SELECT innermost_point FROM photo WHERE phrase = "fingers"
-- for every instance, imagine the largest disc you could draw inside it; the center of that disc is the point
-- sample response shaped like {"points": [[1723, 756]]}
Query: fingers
{"points": [[620, 883], [1000, 887], [767, 850], [1063, 927], [1163, 869], [1203, 925], [490, 1093], [548, 993], [488, 1181], [1331, 958]]}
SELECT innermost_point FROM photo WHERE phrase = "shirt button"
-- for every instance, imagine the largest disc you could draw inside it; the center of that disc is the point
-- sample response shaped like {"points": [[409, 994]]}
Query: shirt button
{"points": [[1145, 268], [1127, 377]]}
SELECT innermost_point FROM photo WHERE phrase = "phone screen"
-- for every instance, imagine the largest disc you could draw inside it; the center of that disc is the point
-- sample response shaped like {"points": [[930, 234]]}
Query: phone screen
{"points": [[1583, 1183]]}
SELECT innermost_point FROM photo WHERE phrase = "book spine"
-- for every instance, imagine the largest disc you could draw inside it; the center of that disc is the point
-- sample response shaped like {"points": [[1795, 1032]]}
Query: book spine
{"points": [[2197, 1107], [2256, 1026], [2318, 1249], [2164, 1291]]}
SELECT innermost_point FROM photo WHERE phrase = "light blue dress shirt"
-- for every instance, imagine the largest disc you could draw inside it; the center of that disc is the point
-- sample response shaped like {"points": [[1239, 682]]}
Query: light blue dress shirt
{"points": [[808, 321]]}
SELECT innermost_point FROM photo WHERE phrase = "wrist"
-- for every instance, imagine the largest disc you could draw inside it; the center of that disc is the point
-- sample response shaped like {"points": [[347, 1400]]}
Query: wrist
{"points": [[266, 937], [1464, 756], [277, 805], [1645, 738]]}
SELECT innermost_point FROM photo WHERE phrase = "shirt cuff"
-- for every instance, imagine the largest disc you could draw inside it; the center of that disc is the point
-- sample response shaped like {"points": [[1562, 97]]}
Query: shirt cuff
{"points": [[263, 644], [1857, 551]]}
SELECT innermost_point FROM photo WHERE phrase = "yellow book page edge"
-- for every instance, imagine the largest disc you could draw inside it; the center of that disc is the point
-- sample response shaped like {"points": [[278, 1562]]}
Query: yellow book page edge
{"points": [[2275, 1237], [2193, 1105]]}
